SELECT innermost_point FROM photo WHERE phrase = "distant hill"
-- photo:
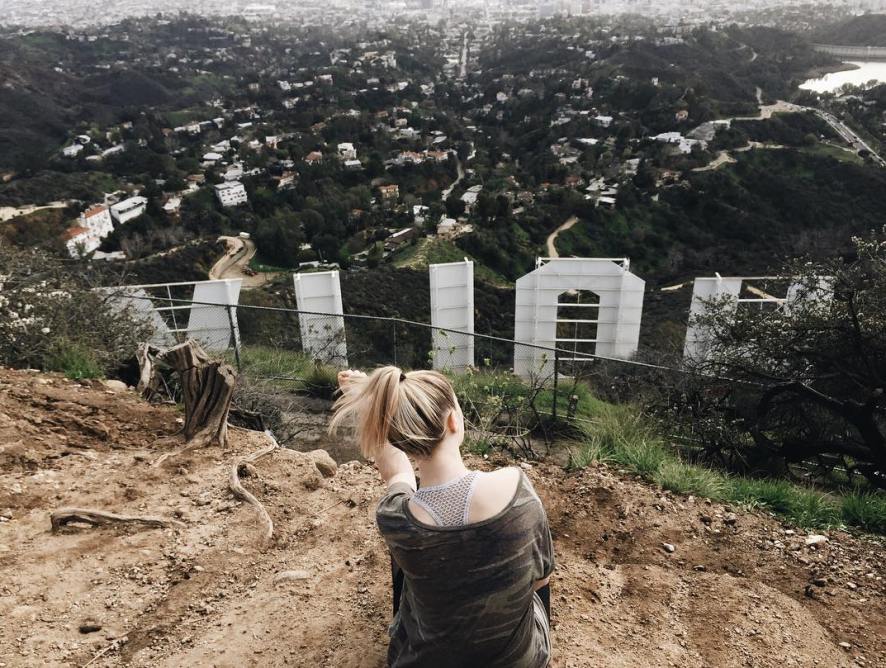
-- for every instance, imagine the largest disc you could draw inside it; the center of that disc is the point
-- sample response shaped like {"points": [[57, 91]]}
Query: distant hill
{"points": [[866, 30], [40, 105]]}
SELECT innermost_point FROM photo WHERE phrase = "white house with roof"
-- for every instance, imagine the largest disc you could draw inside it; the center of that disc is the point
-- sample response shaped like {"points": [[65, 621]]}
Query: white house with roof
{"points": [[231, 193], [470, 197], [94, 225], [683, 144], [128, 209], [72, 151], [346, 151]]}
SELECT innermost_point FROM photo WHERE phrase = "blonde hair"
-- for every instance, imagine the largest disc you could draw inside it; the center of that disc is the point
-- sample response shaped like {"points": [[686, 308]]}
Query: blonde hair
{"points": [[407, 410]]}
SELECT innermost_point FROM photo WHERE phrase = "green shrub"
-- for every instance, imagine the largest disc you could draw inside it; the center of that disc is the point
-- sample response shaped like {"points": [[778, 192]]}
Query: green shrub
{"points": [[73, 359], [683, 478], [321, 381], [866, 510], [620, 434], [590, 452]]}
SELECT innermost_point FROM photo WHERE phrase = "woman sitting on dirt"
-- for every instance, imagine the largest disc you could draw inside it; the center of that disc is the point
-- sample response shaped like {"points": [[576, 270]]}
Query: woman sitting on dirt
{"points": [[474, 547]]}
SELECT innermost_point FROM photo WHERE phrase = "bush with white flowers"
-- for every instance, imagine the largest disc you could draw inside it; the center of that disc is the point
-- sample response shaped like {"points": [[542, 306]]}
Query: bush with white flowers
{"points": [[51, 319]]}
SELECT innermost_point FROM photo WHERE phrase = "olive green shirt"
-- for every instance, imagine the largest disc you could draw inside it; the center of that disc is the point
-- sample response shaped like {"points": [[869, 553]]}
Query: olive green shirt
{"points": [[468, 596]]}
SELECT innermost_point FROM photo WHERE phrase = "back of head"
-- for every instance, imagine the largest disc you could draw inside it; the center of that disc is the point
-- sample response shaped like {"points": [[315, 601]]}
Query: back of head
{"points": [[407, 410]]}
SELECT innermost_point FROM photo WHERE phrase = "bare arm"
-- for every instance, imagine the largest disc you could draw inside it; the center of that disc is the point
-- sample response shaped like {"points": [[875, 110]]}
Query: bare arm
{"points": [[394, 466]]}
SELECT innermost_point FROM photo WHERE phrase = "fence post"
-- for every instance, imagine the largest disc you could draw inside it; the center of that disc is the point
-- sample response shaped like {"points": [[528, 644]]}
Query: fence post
{"points": [[395, 343], [235, 332], [556, 378]]}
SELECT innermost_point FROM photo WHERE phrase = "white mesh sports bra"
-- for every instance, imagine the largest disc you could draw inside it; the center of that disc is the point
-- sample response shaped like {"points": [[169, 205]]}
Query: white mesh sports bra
{"points": [[449, 503]]}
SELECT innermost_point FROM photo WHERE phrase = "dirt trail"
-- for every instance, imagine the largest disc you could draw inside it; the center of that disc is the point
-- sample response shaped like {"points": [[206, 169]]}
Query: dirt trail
{"points": [[238, 254], [551, 243], [738, 589]]}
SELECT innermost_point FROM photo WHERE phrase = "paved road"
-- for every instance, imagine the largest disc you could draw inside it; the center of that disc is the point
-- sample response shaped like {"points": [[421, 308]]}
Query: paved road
{"points": [[10, 212], [848, 135], [552, 238]]}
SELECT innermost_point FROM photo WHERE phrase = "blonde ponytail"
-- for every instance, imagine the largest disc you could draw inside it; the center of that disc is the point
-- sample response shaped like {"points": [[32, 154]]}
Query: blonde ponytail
{"points": [[407, 410]]}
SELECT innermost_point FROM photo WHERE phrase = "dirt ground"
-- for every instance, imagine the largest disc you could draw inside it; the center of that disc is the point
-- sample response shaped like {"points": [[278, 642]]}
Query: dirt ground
{"points": [[739, 589]]}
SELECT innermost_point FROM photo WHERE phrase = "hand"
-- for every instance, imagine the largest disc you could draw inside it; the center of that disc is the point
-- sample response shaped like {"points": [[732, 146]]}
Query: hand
{"points": [[345, 377]]}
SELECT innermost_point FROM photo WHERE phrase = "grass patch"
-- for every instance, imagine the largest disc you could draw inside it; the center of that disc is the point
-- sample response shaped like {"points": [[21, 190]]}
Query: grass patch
{"points": [[288, 371], [74, 360], [257, 264], [621, 435], [866, 510], [829, 150], [437, 251], [684, 478]]}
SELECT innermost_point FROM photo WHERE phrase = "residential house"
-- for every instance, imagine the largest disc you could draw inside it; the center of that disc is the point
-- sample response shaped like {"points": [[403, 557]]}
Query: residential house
{"points": [[389, 194], [172, 206], [231, 193], [94, 225], [124, 211], [314, 157], [400, 237], [346, 151], [72, 151], [287, 180], [470, 197], [447, 228]]}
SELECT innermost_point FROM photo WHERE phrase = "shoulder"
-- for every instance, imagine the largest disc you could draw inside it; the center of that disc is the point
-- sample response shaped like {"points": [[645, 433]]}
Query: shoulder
{"points": [[391, 507], [494, 491]]}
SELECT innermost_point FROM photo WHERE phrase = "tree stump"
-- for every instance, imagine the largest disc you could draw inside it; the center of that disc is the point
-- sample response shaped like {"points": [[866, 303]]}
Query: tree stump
{"points": [[207, 390]]}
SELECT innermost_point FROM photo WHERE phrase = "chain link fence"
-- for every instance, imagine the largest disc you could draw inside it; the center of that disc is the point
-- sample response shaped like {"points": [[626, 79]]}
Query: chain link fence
{"points": [[287, 351]]}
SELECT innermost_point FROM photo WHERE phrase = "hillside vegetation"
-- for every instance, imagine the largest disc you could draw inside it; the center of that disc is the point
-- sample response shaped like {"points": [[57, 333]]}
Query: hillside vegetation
{"points": [[865, 30]]}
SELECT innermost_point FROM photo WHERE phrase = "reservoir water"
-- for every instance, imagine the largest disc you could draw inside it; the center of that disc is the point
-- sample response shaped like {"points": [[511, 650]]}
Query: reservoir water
{"points": [[866, 71]]}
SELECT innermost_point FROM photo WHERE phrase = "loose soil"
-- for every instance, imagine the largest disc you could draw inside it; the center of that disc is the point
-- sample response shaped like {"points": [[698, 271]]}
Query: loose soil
{"points": [[739, 589]]}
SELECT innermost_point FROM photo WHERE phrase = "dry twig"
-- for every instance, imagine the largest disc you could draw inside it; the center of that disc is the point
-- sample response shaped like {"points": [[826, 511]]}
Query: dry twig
{"points": [[242, 493], [64, 516]]}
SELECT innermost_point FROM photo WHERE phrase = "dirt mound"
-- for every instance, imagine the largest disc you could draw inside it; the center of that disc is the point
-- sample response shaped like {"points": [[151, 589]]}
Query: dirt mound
{"points": [[736, 590], [47, 417]]}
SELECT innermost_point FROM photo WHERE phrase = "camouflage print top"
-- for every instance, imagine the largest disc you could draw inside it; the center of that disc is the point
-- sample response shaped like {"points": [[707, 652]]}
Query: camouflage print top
{"points": [[468, 595]]}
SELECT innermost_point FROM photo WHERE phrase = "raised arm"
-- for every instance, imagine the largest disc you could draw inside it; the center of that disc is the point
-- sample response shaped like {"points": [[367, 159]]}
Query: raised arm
{"points": [[394, 466]]}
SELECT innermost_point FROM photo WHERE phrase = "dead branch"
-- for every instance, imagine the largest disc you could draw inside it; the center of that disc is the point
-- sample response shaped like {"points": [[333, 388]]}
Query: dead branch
{"points": [[243, 494], [64, 516], [148, 375]]}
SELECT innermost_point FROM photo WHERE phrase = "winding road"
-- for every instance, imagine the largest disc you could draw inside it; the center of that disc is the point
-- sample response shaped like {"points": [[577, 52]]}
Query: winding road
{"points": [[552, 237], [461, 174], [10, 212], [239, 253]]}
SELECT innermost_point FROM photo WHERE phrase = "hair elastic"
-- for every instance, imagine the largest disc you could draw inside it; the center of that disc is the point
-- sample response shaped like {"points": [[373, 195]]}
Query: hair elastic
{"points": [[402, 376]]}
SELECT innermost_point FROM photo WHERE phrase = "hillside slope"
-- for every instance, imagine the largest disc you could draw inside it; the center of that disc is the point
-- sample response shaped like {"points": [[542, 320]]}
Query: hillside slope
{"points": [[866, 30], [731, 594]]}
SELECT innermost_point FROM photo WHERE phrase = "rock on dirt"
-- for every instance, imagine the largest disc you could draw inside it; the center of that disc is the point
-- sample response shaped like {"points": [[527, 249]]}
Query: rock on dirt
{"points": [[115, 385], [291, 576]]}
